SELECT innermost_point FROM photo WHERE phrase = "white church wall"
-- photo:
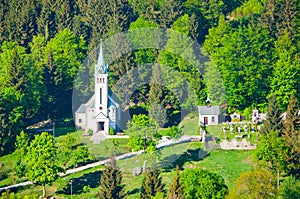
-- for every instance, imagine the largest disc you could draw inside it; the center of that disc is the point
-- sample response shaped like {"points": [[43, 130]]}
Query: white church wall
{"points": [[90, 117], [80, 120]]}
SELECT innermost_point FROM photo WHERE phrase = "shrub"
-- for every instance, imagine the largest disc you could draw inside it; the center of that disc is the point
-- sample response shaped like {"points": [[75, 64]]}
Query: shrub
{"points": [[90, 132], [86, 189], [111, 131]]}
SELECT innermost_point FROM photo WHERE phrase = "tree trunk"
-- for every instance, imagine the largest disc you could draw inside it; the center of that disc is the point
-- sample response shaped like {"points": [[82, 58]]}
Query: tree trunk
{"points": [[44, 191], [144, 166]]}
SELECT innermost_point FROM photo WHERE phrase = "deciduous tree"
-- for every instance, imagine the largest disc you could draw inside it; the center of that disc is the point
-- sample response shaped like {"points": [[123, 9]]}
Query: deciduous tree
{"points": [[198, 183], [42, 161], [142, 131], [254, 184], [272, 151]]}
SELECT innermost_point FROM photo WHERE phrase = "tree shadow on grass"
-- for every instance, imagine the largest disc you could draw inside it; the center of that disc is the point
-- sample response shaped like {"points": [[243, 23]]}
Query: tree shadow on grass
{"points": [[170, 162], [90, 179], [134, 191]]}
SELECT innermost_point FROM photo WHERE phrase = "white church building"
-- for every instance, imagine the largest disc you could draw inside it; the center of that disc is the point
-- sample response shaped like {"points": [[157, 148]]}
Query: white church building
{"points": [[102, 111]]}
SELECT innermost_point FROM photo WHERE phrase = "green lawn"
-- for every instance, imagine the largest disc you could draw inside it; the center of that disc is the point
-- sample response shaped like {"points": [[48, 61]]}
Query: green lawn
{"points": [[97, 151], [7, 170], [61, 188], [228, 164], [214, 130], [190, 125]]}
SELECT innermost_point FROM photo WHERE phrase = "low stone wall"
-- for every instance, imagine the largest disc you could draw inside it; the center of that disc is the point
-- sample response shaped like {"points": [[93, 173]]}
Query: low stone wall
{"points": [[237, 145]]}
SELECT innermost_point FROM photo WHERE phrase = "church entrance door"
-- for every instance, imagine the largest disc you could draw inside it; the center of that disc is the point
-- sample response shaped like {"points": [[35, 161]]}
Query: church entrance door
{"points": [[101, 126]]}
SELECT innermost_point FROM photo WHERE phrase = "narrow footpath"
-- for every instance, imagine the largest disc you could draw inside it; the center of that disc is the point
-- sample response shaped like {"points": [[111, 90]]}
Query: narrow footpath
{"points": [[164, 142]]}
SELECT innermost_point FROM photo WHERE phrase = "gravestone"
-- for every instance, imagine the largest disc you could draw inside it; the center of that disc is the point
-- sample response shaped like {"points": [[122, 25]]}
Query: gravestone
{"points": [[246, 128], [239, 129], [203, 136], [224, 130], [252, 128], [231, 128], [137, 171]]}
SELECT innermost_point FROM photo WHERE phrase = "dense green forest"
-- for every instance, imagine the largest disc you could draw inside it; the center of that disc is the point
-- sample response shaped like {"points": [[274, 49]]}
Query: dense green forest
{"points": [[254, 45]]}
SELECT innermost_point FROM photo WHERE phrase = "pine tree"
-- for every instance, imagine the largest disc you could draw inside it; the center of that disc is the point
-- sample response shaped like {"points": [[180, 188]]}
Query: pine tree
{"points": [[111, 186], [156, 89], [176, 189], [64, 14], [3, 10], [292, 135], [50, 79], [170, 11], [292, 119], [46, 20], [152, 184], [278, 16], [156, 110], [274, 117], [20, 21], [158, 114]]}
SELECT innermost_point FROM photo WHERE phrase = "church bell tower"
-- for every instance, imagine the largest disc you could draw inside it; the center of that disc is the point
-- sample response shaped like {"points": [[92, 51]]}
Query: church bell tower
{"points": [[101, 92]]}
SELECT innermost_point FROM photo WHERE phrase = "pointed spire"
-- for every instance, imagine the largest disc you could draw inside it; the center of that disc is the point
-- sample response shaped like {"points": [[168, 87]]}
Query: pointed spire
{"points": [[101, 66], [207, 99], [101, 56]]}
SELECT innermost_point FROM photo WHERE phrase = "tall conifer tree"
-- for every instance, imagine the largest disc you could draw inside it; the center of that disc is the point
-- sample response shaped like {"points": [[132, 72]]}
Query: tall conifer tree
{"points": [[176, 189], [152, 184], [292, 135], [274, 120], [111, 186]]}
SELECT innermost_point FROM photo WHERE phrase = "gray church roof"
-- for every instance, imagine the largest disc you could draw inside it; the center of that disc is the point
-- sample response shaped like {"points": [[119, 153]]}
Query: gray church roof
{"points": [[112, 100], [208, 110], [81, 109]]}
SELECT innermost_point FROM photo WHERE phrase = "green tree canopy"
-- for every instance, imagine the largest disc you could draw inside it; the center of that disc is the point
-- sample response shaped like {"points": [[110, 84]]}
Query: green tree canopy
{"points": [[42, 161], [272, 151], [142, 131], [198, 183], [254, 184]]}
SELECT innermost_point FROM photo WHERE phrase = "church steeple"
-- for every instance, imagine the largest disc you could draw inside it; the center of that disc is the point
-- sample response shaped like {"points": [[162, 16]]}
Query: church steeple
{"points": [[207, 100], [101, 66]]}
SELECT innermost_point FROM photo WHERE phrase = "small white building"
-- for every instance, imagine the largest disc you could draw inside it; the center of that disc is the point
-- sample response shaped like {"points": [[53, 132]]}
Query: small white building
{"points": [[208, 115], [235, 117], [102, 110], [258, 117]]}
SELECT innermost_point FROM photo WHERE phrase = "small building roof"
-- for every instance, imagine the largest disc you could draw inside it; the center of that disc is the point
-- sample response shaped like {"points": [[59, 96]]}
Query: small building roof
{"points": [[81, 109], [208, 110]]}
